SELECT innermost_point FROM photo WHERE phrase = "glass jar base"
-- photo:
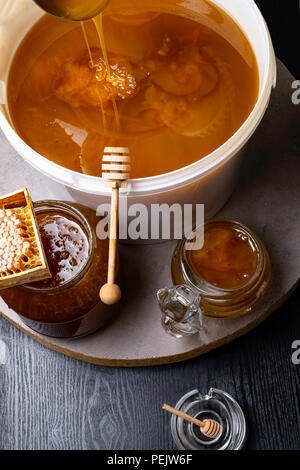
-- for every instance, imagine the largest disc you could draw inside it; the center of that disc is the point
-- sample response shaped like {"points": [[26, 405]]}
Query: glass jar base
{"points": [[176, 331], [217, 405], [86, 325]]}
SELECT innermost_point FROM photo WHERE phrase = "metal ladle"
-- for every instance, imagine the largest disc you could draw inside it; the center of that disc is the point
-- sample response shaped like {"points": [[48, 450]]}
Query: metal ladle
{"points": [[75, 10]]}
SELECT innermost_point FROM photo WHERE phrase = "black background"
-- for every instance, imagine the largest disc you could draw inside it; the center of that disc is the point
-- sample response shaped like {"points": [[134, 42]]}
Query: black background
{"points": [[282, 17]]}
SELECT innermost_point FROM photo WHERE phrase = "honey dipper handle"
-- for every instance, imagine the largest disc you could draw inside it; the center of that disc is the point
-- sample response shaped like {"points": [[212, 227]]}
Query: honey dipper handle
{"points": [[115, 169], [111, 293], [176, 412], [112, 255]]}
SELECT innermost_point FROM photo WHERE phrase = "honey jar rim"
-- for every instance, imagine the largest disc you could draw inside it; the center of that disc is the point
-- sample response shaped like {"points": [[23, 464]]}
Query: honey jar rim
{"points": [[260, 251], [66, 208]]}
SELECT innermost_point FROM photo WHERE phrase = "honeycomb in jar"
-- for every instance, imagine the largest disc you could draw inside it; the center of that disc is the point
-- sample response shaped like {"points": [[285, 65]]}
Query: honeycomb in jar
{"points": [[22, 257], [16, 243]]}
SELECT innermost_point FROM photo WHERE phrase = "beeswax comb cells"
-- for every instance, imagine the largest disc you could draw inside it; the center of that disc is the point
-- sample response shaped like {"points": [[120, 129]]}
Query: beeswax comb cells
{"points": [[22, 257]]}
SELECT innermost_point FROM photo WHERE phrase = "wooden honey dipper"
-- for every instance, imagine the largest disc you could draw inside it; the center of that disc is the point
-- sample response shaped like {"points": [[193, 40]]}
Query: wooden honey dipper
{"points": [[116, 170], [209, 427]]}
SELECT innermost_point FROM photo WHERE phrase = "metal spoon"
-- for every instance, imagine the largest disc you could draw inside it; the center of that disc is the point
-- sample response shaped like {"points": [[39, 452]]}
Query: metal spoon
{"points": [[75, 10]]}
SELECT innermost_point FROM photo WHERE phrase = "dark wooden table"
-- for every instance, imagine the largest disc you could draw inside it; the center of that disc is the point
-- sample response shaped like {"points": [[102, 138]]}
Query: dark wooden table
{"points": [[48, 401]]}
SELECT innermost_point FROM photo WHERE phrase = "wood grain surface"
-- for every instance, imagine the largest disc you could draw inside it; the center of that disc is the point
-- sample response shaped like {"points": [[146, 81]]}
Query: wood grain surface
{"points": [[49, 401]]}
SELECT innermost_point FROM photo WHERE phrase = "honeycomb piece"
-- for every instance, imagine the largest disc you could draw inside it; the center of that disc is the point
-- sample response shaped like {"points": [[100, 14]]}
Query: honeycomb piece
{"points": [[18, 250], [22, 257], [80, 84]]}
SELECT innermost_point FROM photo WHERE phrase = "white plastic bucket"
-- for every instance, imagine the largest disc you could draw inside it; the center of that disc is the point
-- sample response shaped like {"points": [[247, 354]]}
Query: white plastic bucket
{"points": [[210, 180]]}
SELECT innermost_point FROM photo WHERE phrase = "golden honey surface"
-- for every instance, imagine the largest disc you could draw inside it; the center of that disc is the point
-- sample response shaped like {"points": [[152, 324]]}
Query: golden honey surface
{"points": [[175, 89], [227, 259], [66, 248]]}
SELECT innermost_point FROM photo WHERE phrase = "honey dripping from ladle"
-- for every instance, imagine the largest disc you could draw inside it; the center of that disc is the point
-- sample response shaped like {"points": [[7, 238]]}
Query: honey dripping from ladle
{"points": [[79, 10], [99, 27]]}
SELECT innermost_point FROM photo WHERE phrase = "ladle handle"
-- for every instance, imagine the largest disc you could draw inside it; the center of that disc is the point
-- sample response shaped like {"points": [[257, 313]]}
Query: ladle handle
{"points": [[176, 412]]}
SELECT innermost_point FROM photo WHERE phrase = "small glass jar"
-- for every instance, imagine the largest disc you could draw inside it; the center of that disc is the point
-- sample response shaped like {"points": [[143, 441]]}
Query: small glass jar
{"points": [[217, 301], [216, 405], [181, 310], [73, 308]]}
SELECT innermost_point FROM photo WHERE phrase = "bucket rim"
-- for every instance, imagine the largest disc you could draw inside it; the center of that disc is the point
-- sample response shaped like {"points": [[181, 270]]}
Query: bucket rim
{"points": [[175, 179]]}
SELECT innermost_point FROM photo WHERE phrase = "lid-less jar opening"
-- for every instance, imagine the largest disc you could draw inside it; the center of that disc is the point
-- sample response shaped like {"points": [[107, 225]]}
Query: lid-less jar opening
{"points": [[218, 301], [65, 209], [203, 283]]}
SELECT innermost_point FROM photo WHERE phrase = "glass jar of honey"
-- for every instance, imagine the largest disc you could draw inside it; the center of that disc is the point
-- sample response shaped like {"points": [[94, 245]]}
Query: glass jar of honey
{"points": [[229, 274], [67, 304]]}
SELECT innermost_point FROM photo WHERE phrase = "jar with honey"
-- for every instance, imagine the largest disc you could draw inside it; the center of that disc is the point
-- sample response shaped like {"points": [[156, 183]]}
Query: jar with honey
{"points": [[67, 304], [227, 277]]}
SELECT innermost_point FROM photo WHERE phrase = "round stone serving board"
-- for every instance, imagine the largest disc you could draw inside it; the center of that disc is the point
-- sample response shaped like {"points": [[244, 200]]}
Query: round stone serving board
{"points": [[267, 199]]}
